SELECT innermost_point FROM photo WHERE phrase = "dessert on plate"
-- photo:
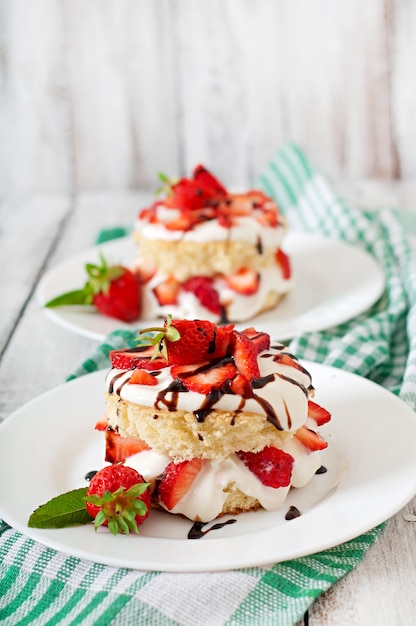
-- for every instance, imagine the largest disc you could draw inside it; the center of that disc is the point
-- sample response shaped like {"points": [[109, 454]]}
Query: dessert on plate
{"points": [[217, 421], [204, 252]]}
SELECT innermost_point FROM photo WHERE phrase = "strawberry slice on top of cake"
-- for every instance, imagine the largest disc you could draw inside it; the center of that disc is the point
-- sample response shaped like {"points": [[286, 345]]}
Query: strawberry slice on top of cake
{"points": [[216, 420]]}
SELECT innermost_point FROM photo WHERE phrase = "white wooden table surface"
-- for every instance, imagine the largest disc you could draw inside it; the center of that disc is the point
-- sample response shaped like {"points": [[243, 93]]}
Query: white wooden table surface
{"points": [[37, 355]]}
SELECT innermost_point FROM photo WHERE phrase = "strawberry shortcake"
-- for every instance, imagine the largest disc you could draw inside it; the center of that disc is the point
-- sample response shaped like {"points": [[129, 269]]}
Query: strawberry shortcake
{"points": [[218, 421], [207, 253]]}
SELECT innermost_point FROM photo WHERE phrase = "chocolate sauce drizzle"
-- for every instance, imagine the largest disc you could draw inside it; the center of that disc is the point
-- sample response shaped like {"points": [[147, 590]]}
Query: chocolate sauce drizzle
{"points": [[168, 398], [196, 531]]}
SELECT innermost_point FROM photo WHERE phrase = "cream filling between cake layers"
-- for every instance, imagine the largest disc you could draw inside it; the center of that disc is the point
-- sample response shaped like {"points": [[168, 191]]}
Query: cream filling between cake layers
{"points": [[238, 307], [217, 479]]}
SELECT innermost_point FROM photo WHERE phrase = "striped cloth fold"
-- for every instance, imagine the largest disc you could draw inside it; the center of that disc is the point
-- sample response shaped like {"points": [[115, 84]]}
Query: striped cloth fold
{"points": [[40, 586]]}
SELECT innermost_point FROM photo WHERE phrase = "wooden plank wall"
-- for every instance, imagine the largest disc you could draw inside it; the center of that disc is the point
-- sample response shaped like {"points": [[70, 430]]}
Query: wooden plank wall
{"points": [[102, 94]]}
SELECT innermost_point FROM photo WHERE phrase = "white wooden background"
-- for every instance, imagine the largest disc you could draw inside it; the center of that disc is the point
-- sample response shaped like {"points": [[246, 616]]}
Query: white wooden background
{"points": [[103, 94]]}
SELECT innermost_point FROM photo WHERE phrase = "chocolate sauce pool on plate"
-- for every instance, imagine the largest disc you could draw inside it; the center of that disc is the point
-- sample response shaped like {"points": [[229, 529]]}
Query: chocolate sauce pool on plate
{"points": [[292, 513]]}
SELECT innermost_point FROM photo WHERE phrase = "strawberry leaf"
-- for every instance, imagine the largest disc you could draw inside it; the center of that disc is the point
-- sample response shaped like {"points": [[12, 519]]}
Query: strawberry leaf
{"points": [[158, 340], [67, 509]]}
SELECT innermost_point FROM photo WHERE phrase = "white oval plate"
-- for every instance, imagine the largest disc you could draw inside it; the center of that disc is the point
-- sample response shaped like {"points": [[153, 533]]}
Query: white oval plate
{"points": [[333, 281], [371, 475]]}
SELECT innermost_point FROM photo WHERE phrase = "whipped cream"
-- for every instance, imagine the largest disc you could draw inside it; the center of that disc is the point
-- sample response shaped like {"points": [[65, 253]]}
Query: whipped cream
{"points": [[238, 307], [283, 396], [205, 500], [248, 229]]}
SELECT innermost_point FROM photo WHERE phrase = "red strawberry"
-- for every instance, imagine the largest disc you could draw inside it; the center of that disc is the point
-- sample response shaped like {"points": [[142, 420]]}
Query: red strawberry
{"points": [[118, 449], [284, 262], [119, 498], [189, 194], [176, 480], [142, 377], [318, 413], [204, 377], [190, 341], [246, 203], [167, 292], [205, 178], [113, 290], [260, 339], [122, 300], [102, 423], [272, 466], [310, 439], [240, 386], [141, 357], [203, 288], [245, 281], [268, 217], [150, 213], [184, 221], [244, 353]]}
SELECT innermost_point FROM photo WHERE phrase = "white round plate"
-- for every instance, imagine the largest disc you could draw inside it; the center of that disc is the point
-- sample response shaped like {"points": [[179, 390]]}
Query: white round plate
{"points": [[48, 446], [333, 282]]}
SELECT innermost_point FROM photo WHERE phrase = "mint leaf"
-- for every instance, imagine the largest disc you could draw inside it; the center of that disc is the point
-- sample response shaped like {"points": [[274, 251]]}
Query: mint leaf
{"points": [[78, 296], [67, 509]]}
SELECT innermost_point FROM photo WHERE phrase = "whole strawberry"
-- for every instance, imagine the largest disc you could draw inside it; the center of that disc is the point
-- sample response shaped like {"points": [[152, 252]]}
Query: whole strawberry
{"points": [[112, 289], [190, 341], [118, 497]]}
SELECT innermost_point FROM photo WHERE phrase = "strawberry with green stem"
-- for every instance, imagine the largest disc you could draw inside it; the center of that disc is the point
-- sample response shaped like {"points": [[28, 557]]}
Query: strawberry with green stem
{"points": [[118, 497], [182, 342], [112, 289]]}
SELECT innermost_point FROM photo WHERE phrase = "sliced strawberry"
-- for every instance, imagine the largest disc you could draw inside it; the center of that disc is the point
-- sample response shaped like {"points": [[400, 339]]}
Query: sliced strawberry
{"points": [[102, 423], [272, 466], [142, 377], [140, 357], [240, 386], [260, 339], [205, 178], [118, 449], [203, 288], [226, 219], [245, 356], [176, 481], [185, 221], [245, 281], [246, 203], [167, 292], [318, 413], [268, 218], [310, 439], [204, 377], [283, 261], [189, 194]]}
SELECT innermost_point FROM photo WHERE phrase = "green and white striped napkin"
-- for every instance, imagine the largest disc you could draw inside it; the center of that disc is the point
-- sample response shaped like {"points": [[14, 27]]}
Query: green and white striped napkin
{"points": [[40, 586]]}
